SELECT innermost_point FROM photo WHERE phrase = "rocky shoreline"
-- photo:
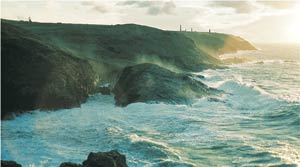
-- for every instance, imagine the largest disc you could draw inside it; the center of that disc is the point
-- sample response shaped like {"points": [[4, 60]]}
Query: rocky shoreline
{"points": [[52, 66], [101, 159]]}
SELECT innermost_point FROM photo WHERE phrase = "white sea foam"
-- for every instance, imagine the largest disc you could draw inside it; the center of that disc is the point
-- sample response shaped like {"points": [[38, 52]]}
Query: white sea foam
{"points": [[255, 122]]}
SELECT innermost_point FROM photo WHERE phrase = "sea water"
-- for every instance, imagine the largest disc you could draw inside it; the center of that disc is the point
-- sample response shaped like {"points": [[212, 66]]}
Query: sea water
{"points": [[256, 122]]}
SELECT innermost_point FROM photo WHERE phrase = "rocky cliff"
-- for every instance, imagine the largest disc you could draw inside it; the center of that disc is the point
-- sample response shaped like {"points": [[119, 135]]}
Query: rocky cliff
{"points": [[38, 75], [52, 66]]}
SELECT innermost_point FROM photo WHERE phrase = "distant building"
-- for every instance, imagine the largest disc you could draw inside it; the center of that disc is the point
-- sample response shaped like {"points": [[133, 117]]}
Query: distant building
{"points": [[209, 31], [29, 19], [180, 28]]}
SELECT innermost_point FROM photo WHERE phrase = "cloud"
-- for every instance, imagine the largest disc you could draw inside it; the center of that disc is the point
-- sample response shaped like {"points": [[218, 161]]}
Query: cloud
{"points": [[168, 7], [100, 9], [94, 6], [153, 7], [87, 3], [279, 4], [238, 6]]}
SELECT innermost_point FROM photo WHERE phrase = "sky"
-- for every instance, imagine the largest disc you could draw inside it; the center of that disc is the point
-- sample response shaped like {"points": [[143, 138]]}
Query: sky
{"points": [[257, 21]]}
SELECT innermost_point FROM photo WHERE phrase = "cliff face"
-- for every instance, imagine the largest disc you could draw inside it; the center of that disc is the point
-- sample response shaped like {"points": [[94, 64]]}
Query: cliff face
{"points": [[37, 75], [51, 66]]}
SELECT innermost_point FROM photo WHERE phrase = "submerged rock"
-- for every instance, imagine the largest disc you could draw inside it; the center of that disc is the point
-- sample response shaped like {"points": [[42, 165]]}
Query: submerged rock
{"points": [[9, 164], [152, 83], [101, 159], [69, 164]]}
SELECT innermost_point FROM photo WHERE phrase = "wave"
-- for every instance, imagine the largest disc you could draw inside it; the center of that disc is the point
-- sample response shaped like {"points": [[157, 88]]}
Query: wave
{"points": [[250, 124]]}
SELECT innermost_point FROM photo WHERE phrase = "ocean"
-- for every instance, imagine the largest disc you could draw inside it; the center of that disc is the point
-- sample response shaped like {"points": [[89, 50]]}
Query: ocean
{"points": [[256, 122]]}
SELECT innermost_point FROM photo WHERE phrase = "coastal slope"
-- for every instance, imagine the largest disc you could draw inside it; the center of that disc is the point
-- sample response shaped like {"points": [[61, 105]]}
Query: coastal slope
{"points": [[216, 44], [54, 65], [110, 48]]}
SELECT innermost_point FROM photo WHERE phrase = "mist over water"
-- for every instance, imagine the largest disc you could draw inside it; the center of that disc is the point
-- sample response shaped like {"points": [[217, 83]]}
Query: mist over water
{"points": [[255, 123]]}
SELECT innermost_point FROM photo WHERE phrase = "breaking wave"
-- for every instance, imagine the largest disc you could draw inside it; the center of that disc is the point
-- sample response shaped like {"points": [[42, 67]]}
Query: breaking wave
{"points": [[255, 122]]}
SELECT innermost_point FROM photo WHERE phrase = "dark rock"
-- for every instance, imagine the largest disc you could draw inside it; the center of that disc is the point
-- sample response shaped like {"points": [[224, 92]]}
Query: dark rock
{"points": [[9, 164], [152, 83], [195, 76], [101, 159], [69, 164], [38, 75], [105, 159], [200, 76], [104, 90]]}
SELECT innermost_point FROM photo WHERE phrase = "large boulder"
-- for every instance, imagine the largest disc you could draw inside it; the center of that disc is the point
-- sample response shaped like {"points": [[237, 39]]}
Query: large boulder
{"points": [[152, 83], [101, 159], [9, 164]]}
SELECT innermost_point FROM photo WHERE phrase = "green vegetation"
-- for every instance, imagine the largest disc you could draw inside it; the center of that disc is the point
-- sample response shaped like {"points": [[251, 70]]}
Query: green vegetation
{"points": [[49, 65], [110, 48], [216, 44]]}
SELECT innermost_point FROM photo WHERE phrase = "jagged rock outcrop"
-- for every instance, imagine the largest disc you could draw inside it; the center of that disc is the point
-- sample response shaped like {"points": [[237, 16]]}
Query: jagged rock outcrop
{"points": [[152, 83], [105, 159], [101, 159], [9, 164], [37, 75]]}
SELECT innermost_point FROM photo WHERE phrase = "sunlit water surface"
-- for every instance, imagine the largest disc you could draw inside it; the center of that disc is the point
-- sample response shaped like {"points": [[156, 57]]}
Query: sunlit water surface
{"points": [[255, 123]]}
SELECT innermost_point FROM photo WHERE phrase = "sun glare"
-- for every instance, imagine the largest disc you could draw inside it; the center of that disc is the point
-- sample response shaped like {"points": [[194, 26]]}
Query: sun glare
{"points": [[293, 29]]}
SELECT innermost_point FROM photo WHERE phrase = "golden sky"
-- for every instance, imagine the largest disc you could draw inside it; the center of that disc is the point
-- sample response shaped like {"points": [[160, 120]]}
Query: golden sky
{"points": [[257, 21]]}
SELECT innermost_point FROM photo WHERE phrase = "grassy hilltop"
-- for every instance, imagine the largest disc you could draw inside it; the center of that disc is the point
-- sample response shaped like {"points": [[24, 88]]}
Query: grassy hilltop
{"points": [[110, 48], [66, 60]]}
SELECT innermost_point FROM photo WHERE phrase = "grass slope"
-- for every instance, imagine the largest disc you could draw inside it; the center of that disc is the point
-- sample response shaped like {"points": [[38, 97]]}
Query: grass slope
{"points": [[216, 44], [110, 48]]}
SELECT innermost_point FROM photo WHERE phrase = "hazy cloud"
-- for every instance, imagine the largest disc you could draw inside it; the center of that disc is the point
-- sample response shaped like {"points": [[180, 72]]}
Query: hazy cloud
{"points": [[153, 7], [88, 3], [238, 6], [94, 6], [279, 4]]}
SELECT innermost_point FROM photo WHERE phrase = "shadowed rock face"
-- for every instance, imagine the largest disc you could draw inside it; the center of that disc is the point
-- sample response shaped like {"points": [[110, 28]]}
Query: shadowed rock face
{"points": [[101, 159], [9, 164], [37, 75], [152, 83]]}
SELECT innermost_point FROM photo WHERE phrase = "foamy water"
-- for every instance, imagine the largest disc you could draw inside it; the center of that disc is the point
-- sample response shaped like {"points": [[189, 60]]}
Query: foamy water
{"points": [[255, 123]]}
